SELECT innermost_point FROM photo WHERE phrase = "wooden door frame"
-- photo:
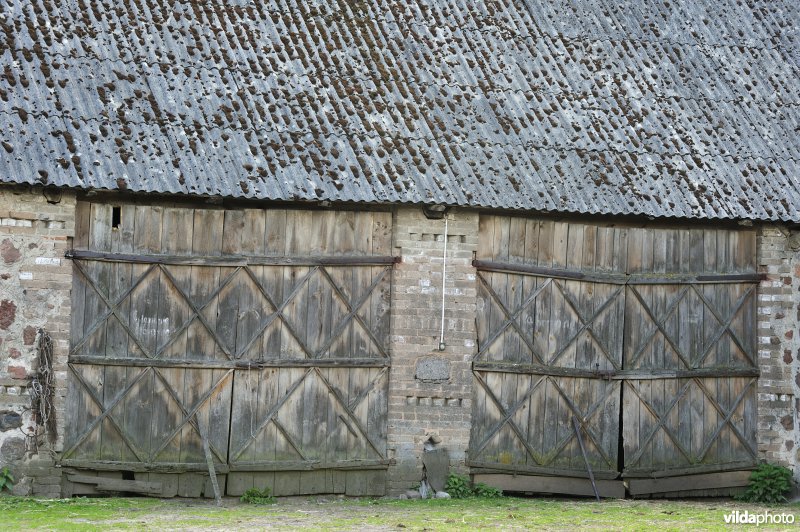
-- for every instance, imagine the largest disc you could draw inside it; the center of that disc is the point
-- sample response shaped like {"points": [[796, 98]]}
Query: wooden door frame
{"points": [[544, 371], [628, 283], [168, 266]]}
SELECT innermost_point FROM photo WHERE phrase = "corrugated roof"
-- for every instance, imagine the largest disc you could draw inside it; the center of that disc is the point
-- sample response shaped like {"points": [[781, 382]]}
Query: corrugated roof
{"points": [[660, 107]]}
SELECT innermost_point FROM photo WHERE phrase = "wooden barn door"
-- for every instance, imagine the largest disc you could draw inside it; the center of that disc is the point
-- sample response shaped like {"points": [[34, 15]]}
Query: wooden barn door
{"points": [[689, 394], [639, 333], [254, 340], [548, 342]]}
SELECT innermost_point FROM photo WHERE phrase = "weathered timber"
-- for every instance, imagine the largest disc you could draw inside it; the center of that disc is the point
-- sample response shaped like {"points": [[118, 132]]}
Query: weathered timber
{"points": [[117, 485], [546, 349], [255, 330], [230, 260], [610, 278], [162, 467], [536, 369], [585, 459], [309, 465], [612, 489], [484, 468], [237, 364], [657, 324], [731, 479], [691, 470], [507, 267]]}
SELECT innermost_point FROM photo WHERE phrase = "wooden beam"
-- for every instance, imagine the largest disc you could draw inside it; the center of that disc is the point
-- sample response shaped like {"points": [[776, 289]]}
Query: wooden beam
{"points": [[164, 467], [733, 278], [232, 260], [309, 465], [117, 484], [691, 470], [618, 278], [728, 493], [613, 489], [650, 374], [236, 364], [508, 267], [487, 468], [731, 479]]}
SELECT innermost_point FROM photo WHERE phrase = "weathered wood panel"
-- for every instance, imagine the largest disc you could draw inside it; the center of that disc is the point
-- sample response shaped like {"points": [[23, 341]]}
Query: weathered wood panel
{"points": [[184, 316], [544, 347], [712, 481], [677, 426], [576, 319], [613, 489]]}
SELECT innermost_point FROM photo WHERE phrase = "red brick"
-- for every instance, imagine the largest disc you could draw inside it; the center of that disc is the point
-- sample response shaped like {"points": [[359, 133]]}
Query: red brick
{"points": [[17, 372]]}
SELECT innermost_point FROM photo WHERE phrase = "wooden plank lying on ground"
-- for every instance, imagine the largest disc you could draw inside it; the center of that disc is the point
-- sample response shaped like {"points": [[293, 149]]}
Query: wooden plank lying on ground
{"points": [[715, 493], [117, 484], [614, 489], [730, 479]]}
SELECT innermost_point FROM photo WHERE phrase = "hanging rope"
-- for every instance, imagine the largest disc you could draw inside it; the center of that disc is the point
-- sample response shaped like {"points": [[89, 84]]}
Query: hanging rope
{"points": [[42, 387]]}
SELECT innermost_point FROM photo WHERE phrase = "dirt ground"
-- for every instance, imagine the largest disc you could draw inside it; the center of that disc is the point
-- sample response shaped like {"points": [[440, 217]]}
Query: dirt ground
{"points": [[334, 513]]}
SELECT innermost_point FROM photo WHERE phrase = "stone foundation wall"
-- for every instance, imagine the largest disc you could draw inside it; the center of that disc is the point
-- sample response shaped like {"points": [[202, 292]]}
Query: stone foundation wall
{"points": [[430, 390], [35, 284], [779, 347]]}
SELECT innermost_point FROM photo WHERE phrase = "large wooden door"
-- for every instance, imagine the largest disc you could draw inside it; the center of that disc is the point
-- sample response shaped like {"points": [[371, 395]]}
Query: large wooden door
{"points": [[689, 396], [642, 336], [547, 342], [255, 340]]}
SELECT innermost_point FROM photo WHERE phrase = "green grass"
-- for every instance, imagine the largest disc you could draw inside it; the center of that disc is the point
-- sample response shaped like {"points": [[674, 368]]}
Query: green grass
{"points": [[348, 514]]}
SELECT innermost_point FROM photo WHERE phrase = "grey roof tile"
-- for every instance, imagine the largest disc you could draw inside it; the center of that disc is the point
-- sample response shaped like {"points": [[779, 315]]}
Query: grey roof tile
{"points": [[664, 108]]}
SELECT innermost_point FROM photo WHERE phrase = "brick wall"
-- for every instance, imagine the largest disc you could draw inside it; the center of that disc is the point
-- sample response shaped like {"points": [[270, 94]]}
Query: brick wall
{"points": [[35, 283], [430, 390], [778, 343]]}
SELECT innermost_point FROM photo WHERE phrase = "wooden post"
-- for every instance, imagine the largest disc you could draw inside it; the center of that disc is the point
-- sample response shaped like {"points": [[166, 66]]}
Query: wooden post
{"points": [[585, 458]]}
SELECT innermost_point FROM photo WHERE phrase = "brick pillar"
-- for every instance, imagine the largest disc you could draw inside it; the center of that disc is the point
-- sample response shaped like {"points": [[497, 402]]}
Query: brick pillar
{"points": [[430, 390], [35, 285], [778, 316]]}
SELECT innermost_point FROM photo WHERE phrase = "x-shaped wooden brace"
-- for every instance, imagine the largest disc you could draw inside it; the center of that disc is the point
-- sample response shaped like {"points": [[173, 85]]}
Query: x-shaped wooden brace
{"points": [[584, 423], [726, 415], [660, 421], [271, 417], [189, 415], [511, 318], [353, 419], [197, 311], [659, 327], [352, 313], [113, 309], [348, 408], [507, 415], [278, 314], [725, 325], [586, 325], [353, 404], [105, 413], [662, 418]]}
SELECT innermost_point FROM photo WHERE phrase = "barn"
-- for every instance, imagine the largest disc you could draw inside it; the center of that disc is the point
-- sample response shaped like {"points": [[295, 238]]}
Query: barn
{"points": [[302, 244]]}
